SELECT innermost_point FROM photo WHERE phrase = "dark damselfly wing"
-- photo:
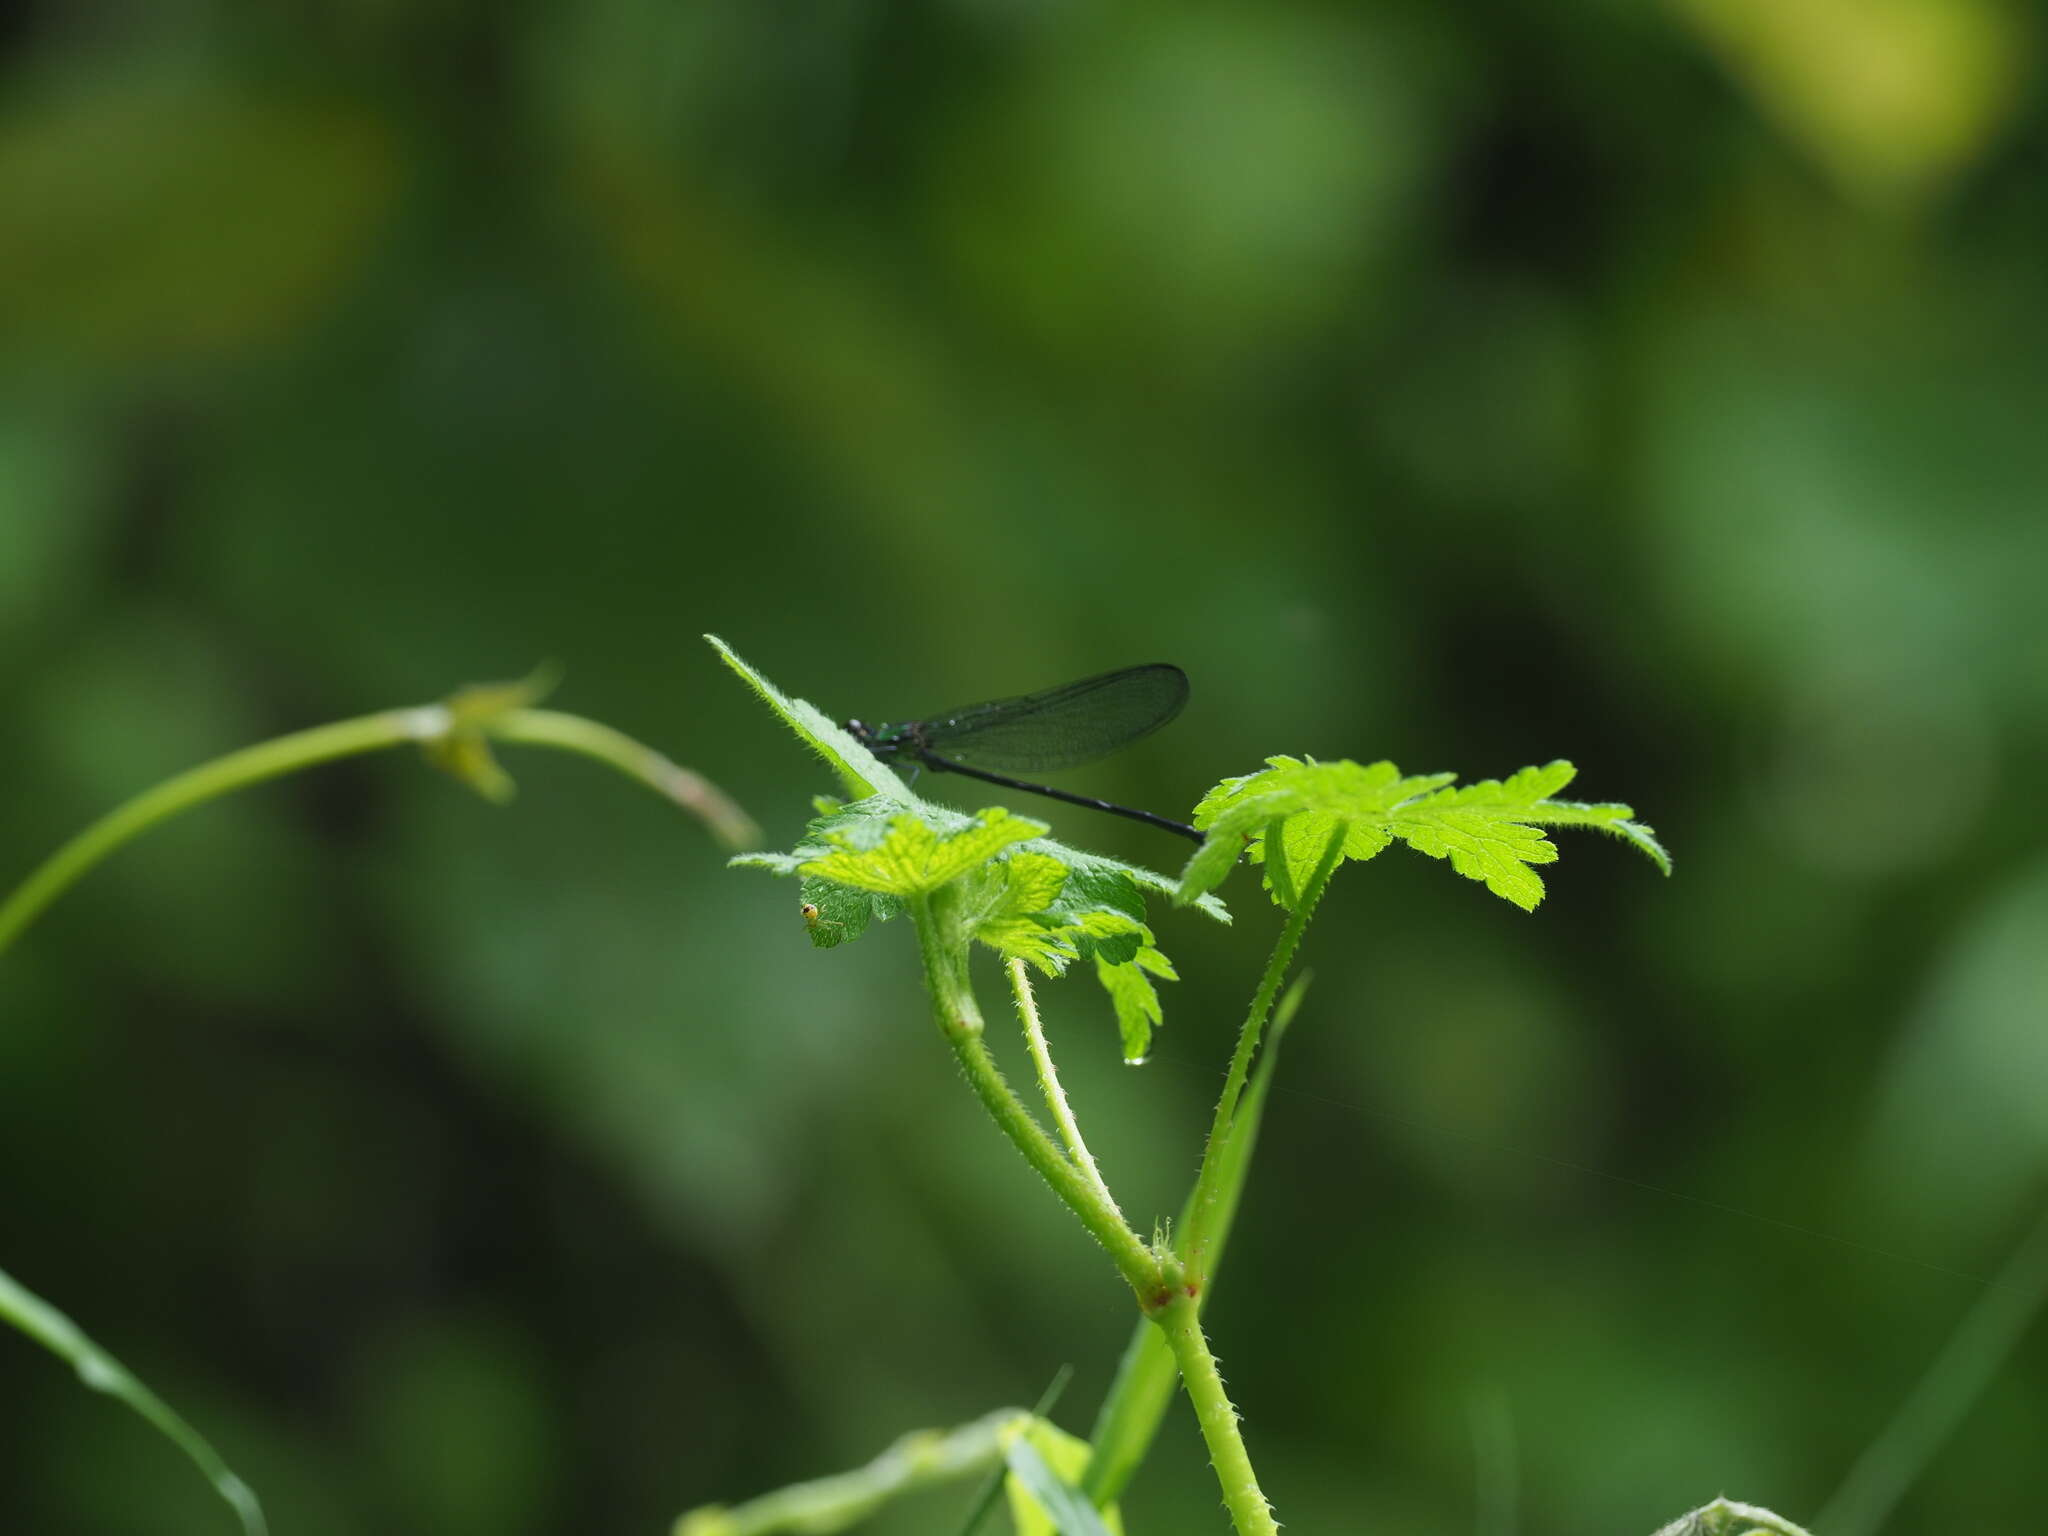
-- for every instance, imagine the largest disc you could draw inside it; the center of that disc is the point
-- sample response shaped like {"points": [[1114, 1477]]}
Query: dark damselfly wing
{"points": [[1061, 727]]}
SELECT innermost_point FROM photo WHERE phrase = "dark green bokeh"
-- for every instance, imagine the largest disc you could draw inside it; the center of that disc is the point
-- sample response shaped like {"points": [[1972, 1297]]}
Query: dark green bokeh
{"points": [[1657, 387]]}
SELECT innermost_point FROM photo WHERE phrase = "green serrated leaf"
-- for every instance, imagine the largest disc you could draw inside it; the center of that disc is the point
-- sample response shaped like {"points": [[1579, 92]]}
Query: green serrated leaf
{"points": [[877, 790], [1150, 959], [1093, 879], [1726, 1517], [865, 824], [1518, 791], [1111, 936], [915, 859], [1306, 800], [859, 770], [864, 829], [25, 1310], [1302, 840], [774, 863], [833, 897], [1489, 831], [834, 915], [1083, 916], [1226, 793], [1486, 847], [1137, 1005], [1610, 818], [1089, 867], [1099, 885], [1210, 866], [1026, 896], [1017, 920]]}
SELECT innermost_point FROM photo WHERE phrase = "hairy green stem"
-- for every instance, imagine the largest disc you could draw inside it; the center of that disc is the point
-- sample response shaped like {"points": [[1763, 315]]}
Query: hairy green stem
{"points": [[1049, 1082], [1205, 1207], [1142, 1390], [1137, 1401], [943, 947], [1242, 1496]]}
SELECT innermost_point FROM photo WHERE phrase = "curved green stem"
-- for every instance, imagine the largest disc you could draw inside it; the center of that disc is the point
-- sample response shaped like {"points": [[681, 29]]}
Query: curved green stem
{"points": [[238, 770], [943, 948], [1142, 1390], [424, 724], [1246, 1501], [1206, 1204], [692, 791], [1170, 1304], [1049, 1082]]}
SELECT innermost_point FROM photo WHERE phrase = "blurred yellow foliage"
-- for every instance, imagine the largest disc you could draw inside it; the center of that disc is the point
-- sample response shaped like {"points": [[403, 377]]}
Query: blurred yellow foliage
{"points": [[1892, 97]]}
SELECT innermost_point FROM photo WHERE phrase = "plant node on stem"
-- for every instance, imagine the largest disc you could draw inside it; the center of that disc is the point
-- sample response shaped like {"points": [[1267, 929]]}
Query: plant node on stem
{"points": [[942, 942], [1156, 1276]]}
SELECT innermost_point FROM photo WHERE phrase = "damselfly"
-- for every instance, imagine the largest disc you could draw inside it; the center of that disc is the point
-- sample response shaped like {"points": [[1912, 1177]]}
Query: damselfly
{"points": [[1043, 733]]}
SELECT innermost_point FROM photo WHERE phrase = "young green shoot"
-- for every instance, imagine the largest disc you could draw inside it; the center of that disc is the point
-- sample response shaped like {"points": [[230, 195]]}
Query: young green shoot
{"points": [[994, 880], [456, 736]]}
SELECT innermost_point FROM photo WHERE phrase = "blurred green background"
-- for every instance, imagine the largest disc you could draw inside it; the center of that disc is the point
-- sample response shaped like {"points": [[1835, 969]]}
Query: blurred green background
{"points": [[1659, 386]]}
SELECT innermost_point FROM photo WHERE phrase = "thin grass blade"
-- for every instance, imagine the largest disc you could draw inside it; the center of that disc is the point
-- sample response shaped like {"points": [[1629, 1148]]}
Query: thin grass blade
{"points": [[1064, 1504], [103, 1373], [1974, 1354], [992, 1489]]}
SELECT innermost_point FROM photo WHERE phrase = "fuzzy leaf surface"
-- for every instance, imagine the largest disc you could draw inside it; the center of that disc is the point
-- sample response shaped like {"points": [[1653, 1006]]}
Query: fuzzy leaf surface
{"points": [[1099, 919], [915, 858], [1137, 1005], [859, 770], [1026, 895], [1490, 831], [1017, 920]]}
